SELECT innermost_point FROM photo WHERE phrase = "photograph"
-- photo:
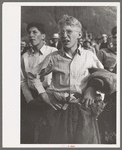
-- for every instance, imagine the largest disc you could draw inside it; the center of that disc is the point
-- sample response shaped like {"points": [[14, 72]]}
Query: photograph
{"points": [[67, 58]]}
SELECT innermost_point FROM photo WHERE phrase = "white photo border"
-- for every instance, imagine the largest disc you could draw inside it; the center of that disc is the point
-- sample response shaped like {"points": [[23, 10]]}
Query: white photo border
{"points": [[11, 23]]}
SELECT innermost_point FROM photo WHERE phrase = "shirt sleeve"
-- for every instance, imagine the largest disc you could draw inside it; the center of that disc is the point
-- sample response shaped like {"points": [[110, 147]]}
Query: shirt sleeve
{"points": [[24, 86], [101, 56], [96, 63], [94, 50], [101, 46], [43, 69], [54, 49]]}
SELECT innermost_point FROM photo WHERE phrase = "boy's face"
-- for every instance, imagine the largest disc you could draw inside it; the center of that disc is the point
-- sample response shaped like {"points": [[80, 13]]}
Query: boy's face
{"points": [[113, 43], [104, 38], [36, 37], [87, 44], [55, 40], [69, 36], [23, 45]]}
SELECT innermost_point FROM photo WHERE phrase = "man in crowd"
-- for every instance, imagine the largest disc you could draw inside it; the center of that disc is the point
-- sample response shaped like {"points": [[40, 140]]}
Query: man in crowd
{"points": [[23, 47], [56, 42], [104, 43], [107, 120], [96, 45], [69, 119], [107, 55], [88, 46], [30, 59]]}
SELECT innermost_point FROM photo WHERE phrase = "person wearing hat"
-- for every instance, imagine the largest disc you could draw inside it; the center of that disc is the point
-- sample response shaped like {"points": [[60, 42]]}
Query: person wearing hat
{"points": [[104, 43], [108, 55], [107, 120], [29, 60], [96, 45], [56, 42]]}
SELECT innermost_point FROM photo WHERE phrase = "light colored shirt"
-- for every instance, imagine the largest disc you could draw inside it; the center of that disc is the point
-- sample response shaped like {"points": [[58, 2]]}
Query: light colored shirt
{"points": [[92, 49], [69, 75], [29, 61], [107, 58]]}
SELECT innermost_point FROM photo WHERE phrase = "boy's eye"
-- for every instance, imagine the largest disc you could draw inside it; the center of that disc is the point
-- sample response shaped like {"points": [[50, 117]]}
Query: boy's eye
{"points": [[66, 31], [69, 32], [34, 32]]}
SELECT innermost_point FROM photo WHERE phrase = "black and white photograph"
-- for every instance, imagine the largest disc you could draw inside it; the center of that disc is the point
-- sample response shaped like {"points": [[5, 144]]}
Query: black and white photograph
{"points": [[66, 89]]}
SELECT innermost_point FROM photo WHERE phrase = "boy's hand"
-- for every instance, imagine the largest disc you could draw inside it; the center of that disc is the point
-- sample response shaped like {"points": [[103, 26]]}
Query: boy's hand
{"points": [[89, 96], [54, 104]]}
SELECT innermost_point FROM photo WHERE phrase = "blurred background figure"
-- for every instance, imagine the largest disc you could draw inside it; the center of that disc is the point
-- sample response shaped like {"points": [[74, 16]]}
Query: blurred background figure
{"points": [[56, 41], [107, 119], [104, 41], [31, 87], [107, 56], [87, 45], [96, 45], [80, 41], [23, 47], [50, 42]]}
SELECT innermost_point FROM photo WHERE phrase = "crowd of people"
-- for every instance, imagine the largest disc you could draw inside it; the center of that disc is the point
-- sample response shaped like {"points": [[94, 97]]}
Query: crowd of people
{"points": [[68, 86]]}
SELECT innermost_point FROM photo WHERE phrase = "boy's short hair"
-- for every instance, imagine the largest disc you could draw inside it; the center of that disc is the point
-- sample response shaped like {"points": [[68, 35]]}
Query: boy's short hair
{"points": [[69, 20], [39, 26]]}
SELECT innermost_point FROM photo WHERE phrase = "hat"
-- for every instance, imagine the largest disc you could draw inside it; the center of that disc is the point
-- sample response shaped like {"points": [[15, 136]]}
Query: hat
{"points": [[104, 35], [55, 36]]}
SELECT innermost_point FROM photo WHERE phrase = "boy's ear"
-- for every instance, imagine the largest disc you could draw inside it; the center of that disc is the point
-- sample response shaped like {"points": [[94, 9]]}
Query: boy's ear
{"points": [[43, 36], [80, 34]]}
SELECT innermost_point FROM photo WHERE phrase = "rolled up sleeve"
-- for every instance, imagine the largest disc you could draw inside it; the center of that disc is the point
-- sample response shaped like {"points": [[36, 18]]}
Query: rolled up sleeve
{"points": [[38, 85], [45, 67]]}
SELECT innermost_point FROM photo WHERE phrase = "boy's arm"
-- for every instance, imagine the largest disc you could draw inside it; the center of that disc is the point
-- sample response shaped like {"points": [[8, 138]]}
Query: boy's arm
{"points": [[100, 56], [24, 86], [43, 69], [96, 63], [89, 94]]}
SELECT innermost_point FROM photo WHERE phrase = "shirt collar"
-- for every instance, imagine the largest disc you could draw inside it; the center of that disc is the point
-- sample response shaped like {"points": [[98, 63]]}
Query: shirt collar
{"points": [[41, 51], [78, 51]]}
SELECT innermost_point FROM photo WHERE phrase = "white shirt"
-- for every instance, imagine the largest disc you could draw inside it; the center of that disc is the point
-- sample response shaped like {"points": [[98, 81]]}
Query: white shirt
{"points": [[28, 62]]}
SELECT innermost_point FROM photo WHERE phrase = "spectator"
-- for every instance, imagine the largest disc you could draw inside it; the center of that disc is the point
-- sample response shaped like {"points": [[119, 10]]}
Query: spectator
{"points": [[56, 42], [96, 45], [104, 43], [107, 56], [107, 119], [80, 41], [71, 120], [88, 46], [30, 59], [23, 47]]}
